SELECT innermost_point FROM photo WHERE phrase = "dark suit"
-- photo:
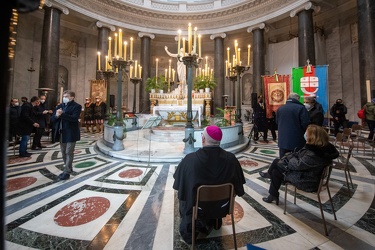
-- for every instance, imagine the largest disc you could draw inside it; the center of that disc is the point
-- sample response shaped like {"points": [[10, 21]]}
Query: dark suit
{"points": [[41, 120], [27, 120], [67, 127]]}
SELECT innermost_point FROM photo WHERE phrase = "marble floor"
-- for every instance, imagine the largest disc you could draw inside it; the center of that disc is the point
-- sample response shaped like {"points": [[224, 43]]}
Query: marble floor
{"points": [[113, 203]]}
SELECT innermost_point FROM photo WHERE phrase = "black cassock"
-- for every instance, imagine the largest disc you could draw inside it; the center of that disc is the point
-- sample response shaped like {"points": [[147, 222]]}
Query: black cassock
{"points": [[207, 166]]}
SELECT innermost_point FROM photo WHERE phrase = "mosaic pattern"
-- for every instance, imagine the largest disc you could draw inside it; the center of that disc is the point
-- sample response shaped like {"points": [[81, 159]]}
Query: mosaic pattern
{"points": [[118, 204]]}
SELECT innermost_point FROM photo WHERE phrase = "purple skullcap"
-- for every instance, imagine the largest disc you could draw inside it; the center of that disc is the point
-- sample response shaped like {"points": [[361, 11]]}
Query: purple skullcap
{"points": [[214, 132]]}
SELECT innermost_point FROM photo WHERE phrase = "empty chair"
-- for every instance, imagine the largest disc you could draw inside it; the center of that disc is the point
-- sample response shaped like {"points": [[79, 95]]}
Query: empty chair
{"points": [[339, 141], [356, 134], [324, 181], [345, 167], [212, 202], [346, 137]]}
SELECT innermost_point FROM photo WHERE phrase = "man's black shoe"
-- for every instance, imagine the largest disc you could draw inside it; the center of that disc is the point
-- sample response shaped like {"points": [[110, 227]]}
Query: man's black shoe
{"points": [[25, 155], [36, 148], [63, 177], [265, 175]]}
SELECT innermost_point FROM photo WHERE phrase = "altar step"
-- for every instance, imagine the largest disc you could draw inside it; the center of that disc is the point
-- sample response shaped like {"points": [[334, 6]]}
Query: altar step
{"points": [[166, 134]]}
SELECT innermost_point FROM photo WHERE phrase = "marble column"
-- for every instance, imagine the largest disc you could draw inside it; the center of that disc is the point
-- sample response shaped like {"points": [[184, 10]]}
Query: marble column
{"points": [[49, 58], [259, 66], [144, 100], [104, 30], [219, 68], [366, 45], [306, 45]]}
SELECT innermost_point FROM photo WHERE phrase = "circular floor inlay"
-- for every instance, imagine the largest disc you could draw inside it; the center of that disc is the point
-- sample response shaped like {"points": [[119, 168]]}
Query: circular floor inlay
{"points": [[81, 211], [238, 215], [269, 152], [85, 164], [130, 173], [248, 163], [19, 183]]}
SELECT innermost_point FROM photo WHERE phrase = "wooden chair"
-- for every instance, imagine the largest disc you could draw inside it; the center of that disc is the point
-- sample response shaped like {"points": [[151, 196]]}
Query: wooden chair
{"points": [[210, 200], [356, 134], [345, 167], [339, 141], [324, 181], [347, 136]]}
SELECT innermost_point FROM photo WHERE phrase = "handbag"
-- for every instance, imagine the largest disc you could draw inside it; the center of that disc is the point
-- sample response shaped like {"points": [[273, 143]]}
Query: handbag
{"points": [[361, 113]]}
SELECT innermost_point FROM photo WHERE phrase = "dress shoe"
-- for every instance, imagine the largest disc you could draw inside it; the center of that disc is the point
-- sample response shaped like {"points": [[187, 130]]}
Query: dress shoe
{"points": [[64, 176], [36, 148], [270, 199], [25, 155], [265, 175]]}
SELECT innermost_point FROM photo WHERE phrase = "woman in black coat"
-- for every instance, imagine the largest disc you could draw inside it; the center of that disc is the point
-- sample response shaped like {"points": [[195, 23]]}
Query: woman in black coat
{"points": [[302, 169]]}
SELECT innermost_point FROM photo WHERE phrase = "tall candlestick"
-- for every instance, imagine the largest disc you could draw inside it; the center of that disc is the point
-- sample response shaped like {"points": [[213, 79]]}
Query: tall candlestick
{"points": [[157, 63], [109, 48], [195, 40], [189, 38], [228, 54], [120, 42], [199, 46], [125, 44], [178, 42], [106, 63], [115, 45], [98, 60], [248, 55], [183, 45], [131, 48], [135, 68]]}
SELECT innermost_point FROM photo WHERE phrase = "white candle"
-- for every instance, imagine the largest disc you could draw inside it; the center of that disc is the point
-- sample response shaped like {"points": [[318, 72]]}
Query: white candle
{"points": [[131, 71], [239, 55], [140, 71], [157, 63], [106, 63], [165, 73], [199, 46], [135, 68], [115, 44], [98, 60], [183, 45], [131, 48], [173, 74], [109, 47], [228, 54], [368, 90], [189, 38], [125, 43], [195, 40], [178, 42], [120, 42], [235, 49], [248, 55], [169, 70]]}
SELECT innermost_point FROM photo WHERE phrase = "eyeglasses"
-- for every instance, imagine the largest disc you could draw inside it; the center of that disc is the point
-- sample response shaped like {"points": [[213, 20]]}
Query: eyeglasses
{"points": [[202, 135]]}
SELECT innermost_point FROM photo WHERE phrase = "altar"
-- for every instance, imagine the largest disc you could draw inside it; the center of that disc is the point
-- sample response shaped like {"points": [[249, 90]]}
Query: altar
{"points": [[173, 107]]}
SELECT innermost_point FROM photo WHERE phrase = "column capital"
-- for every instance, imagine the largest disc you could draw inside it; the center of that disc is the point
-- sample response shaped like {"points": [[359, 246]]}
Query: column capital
{"points": [[222, 35], [258, 26], [53, 4], [101, 24], [142, 34], [305, 6]]}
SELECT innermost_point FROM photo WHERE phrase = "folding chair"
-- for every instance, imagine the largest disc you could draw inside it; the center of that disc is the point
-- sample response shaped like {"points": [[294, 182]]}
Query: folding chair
{"points": [[214, 201], [324, 181], [345, 167], [339, 140], [356, 134]]}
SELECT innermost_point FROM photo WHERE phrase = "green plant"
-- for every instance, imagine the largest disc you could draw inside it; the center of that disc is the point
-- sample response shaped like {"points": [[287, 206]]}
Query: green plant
{"points": [[221, 120], [156, 83], [205, 122], [162, 83], [112, 121], [202, 82]]}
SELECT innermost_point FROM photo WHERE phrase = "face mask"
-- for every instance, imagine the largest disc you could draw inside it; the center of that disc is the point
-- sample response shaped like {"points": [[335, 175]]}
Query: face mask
{"points": [[42, 101], [65, 100], [304, 136], [97, 100], [307, 106], [87, 101], [16, 104]]}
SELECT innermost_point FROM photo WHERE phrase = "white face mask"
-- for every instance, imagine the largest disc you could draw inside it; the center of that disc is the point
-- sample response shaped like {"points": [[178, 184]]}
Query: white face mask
{"points": [[42, 101], [87, 101], [65, 100], [16, 104], [307, 106]]}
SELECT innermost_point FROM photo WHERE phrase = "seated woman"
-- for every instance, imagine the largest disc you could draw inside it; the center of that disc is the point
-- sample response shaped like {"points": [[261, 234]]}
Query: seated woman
{"points": [[302, 169]]}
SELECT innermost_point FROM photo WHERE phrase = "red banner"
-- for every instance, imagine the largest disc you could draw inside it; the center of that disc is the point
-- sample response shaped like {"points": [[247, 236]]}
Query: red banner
{"points": [[276, 91]]}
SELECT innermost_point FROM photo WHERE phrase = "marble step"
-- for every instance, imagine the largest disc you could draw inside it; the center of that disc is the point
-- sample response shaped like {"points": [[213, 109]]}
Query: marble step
{"points": [[166, 134]]}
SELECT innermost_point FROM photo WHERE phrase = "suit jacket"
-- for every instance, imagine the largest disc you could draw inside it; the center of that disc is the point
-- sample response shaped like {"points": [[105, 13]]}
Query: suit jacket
{"points": [[292, 120], [27, 119], [67, 124]]}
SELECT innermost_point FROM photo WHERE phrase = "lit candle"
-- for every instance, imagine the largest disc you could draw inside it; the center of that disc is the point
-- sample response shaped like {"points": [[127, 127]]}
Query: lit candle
{"points": [[248, 55], [195, 40], [140, 71], [120, 42], [234, 60], [183, 45], [115, 45], [125, 44], [226, 68], [230, 67], [178, 42], [98, 60], [106, 63], [135, 68], [235, 48], [173, 74], [206, 59], [157, 63], [239, 55], [189, 38], [169, 70], [199, 46], [228, 54], [165, 73], [131, 48], [131, 71], [109, 47]]}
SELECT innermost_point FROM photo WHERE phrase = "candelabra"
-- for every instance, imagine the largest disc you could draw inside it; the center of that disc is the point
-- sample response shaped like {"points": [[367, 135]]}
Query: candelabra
{"points": [[235, 76], [118, 136], [106, 75], [190, 61], [135, 81]]}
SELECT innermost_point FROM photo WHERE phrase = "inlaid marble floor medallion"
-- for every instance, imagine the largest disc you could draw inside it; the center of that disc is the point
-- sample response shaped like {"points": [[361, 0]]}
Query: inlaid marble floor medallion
{"points": [[111, 203]]}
